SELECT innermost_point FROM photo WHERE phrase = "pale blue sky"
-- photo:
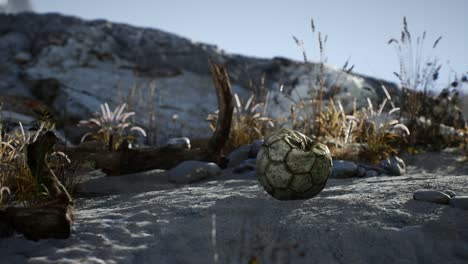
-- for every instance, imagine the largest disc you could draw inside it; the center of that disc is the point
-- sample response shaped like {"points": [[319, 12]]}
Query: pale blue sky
{"points": [[358, 30]]}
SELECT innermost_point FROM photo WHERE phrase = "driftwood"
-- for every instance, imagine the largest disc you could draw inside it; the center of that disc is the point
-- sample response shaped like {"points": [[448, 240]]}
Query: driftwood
{"points": [[135, 160], [53, 217]]}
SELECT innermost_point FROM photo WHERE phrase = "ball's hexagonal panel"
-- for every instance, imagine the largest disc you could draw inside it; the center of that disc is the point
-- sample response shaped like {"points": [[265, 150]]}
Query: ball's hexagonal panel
{"points": [[321, 150], [316, 189], [262, 160], [301, 183], [278, 175], [278, 150], [321, 170], [286, 194], [300, 161], [274, 136], [265, 184]]}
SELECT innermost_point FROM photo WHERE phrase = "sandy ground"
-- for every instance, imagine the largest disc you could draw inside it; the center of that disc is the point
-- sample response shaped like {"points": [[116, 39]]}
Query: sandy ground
{"points": [[142, 219]]}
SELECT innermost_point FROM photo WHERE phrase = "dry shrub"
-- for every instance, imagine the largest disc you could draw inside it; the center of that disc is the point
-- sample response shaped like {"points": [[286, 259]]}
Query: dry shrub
{"points": [[15, 175], [426, 113], [380, 132], [249, 122]]}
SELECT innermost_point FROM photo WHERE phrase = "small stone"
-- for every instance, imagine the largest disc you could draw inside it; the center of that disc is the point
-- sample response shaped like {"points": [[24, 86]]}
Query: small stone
{"points": [[237, 156], [450, 193], [23, 57], [246, 165], [361, 171], [460, 202], [344, 169], [193, 171], [431, 196], [372, 173], [178, 143], [394, 166], [255, 148]]}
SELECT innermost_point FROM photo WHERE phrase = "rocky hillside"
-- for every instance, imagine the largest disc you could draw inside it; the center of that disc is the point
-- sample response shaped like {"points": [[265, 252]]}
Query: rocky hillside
{"points": [[73, 66]]}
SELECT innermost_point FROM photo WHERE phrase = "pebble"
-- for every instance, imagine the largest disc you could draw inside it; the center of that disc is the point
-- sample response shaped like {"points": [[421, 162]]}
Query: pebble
{"points": [[178, 143], [361, 171], [431, 196], [237, 156], [371, 173], [255, 148], [460, 202], [344, 169], [394, 166], [450, 193], [193, 171], [246, 165]]}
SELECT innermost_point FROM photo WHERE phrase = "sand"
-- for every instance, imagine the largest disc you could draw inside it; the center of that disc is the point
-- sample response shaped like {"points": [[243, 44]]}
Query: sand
{"points": [[143, 219]]}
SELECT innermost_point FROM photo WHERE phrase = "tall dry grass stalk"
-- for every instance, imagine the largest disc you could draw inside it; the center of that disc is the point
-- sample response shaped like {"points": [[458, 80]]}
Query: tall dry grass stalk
{"points": [[418, 71], [143, 99], [306, 114]]}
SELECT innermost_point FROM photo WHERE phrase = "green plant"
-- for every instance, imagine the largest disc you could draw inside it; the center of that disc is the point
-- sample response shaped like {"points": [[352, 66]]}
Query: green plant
{"points": [[111, 127], [249, 122]]}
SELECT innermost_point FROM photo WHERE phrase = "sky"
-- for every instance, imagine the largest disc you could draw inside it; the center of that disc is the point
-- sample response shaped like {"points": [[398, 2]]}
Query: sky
{"points": [[357, 30]]}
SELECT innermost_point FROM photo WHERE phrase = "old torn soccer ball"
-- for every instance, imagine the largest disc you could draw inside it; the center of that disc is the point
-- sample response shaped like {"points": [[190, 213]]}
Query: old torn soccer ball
{"points": [[291, 166]]}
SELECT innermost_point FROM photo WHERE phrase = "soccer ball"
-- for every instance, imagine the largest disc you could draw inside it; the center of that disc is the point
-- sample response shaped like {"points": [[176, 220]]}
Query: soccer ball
{"points": [[291, 166]]}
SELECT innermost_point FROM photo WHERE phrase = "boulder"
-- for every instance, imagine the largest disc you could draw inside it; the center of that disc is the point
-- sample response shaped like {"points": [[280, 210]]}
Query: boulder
{"points": [[74, 65], [193, 171], [431, 196]]}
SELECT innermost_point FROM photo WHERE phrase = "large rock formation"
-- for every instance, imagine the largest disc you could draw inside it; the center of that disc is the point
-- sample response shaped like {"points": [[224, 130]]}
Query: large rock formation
{"points": [[74, 65], [15, 6]]}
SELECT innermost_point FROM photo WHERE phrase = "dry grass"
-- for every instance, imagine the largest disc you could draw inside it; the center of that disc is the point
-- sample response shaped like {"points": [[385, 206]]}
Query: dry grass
{"points": [[142, 99], [380, 132], [418, 74], [15, 176], [249, 122], [368, 134]]}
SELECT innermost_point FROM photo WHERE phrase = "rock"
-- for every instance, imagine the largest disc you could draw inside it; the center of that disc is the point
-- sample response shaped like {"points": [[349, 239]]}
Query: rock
{"points": [[393, 166], [371, 173], [91, 62], [246, 165], [361, 171], [450, 193], [23, 57], [237, 156], [344, 169], [193, 171], [178, 143], [431, 196], [254, 148], [460, 202]]}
